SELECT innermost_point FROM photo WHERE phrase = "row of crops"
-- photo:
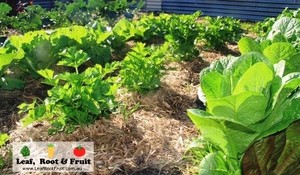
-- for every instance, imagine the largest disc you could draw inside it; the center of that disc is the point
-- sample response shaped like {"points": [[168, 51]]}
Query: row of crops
{"points": [[84, 66], [252, 101], [79, 12]]}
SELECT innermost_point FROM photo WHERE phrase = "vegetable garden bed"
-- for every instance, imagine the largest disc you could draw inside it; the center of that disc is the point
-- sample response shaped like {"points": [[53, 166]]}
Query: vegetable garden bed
{"points": [[130, 85]]}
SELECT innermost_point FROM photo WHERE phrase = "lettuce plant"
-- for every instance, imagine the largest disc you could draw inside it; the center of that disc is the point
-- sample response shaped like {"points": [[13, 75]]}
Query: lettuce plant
{"points": [[280, 44], [247, 98], [40, 50], [264, 27], [275, 52]]}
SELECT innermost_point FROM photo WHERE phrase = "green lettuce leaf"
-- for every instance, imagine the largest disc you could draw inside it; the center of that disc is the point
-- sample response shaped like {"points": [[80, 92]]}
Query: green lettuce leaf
{"points": [[216, 163], [215, 85], [248, 45], [279, 51], [230, 136], [289, 27], [255, 79], [237, 107]]}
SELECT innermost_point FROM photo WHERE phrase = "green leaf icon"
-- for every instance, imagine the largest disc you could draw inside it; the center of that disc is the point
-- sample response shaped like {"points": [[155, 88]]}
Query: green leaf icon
{"points": [[25, 151]]}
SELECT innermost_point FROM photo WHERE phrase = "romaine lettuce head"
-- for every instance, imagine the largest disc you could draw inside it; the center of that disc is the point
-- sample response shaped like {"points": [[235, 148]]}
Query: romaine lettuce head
{"points": [[247, 98]]}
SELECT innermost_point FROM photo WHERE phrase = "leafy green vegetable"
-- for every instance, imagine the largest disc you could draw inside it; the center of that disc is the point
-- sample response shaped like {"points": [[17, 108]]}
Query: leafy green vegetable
{"points": [[73, 58], [3, 139], [4, 9], [142, 68], [262, 28], [182, 34], [29, 20], [276, 154], [75, 99], [218, 31], [279, 51], [289, 27], [217, 163], [248, 99], [76, 33], [7, 58], [248, 45], [4, 19], [276, 50]]}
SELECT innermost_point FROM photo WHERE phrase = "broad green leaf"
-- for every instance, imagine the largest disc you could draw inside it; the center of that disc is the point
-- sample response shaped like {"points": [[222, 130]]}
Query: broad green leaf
{"points": [[91, 104], [36, 113], [279, 51], [216, 164], [7, 58], [3, 50], [9, 83], [293, 64], [73, 57], [290, 83], [100, 35], [223, 64], [248, 45], [123, 29], [4, 9], [46, 73], [237, 107], [279, 37], [255, 79], [74, 32], [18, 41], [212, 130], [229, 135], [103, 55], [3, 137], [264, 44], [282, 116], [29, 36], [72, 78], [289, 27], [103, 37], [227, 73], [237, 68], [215, 85], [220, 65], [27, 121]]}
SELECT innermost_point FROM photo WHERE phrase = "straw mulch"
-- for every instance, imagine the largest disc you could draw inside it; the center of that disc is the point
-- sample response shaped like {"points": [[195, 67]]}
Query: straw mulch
{"points": [[150, 140]]}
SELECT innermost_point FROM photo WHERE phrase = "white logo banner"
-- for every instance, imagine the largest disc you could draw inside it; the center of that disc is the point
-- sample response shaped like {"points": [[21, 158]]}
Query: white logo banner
{"points": [[53, 156]]}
